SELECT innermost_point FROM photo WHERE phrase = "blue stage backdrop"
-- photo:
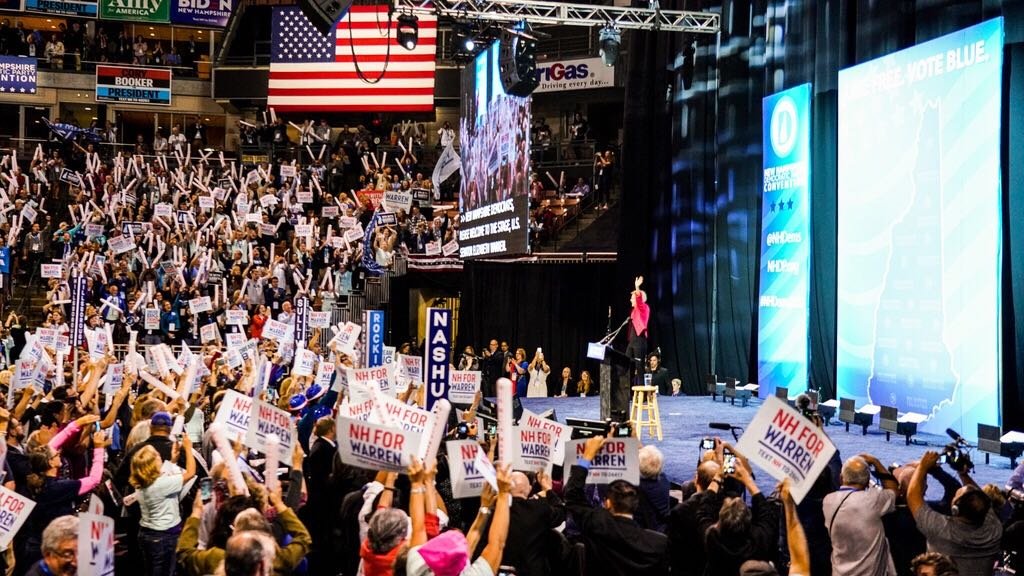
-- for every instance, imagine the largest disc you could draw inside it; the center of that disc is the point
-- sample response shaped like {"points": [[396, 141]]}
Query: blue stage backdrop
{"points": [[919, 230], [785, 242]]}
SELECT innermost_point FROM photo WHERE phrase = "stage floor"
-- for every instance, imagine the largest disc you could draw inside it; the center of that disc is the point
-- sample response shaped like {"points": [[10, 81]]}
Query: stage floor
{"points": [[685, 422]]}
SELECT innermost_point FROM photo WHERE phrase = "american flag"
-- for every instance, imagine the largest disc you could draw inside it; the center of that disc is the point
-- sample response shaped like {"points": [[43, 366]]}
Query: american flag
{"points": [[314, 73]]}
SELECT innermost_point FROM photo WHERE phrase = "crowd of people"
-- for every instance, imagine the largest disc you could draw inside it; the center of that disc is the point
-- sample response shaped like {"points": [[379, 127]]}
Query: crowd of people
{"points": [[70, 45], [199, 282]]}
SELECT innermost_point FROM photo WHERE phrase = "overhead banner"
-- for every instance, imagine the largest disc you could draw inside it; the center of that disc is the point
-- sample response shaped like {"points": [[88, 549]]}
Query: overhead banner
{"points": [[201, 12], [17, 75], [128, 84], [82, 8], [374, 337], [438, 354], [786, 445], [579, 74], [136, 10], [785, 242]]}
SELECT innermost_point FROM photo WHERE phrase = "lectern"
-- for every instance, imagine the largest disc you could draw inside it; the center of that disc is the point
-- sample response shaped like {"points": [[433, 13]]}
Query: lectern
{"points": [[614, 378]]}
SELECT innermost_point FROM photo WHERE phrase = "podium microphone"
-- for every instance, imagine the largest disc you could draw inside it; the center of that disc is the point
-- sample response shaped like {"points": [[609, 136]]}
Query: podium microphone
{"points": [[720, 425]]}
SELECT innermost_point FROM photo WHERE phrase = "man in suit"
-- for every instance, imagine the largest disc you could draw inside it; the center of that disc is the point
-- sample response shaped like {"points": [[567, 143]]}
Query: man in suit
{"points": [[615, 543], [323, 500], [532, 520]]}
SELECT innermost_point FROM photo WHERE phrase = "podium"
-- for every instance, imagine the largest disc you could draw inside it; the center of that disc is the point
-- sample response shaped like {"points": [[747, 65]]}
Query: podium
{"points": [[614, 378]]}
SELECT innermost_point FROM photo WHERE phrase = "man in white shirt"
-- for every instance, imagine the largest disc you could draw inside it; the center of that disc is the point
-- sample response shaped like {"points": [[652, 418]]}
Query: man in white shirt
{"points": [[447, 135], [853, 517]]}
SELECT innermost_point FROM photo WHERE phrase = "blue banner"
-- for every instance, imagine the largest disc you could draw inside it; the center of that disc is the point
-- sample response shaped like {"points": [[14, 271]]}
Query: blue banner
{"points": [[919, 232], [5, 260], [78, 287], [438, 354], [785, 242], [65, 7], [374, 320], [201, 12], [17, 75], [301, 321]]}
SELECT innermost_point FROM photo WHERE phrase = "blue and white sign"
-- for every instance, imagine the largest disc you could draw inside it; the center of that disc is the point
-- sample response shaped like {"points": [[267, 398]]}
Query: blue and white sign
{"points": [[579, 74], [17, 75], [785, 242], [438, 354], [374, 320], [201, 12]]}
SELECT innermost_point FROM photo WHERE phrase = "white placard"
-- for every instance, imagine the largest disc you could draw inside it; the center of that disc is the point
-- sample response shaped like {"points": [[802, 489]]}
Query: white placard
{"points": [[324, 373], [208, 333], [95, 544], [784, 444], [395, 200], [236, 317], [305, 361], [207, 202], [151, 318], [163, 211], [463, 386], [233, 413], [541, 442], [467, 481], [121, 244], [287, 171], [51, 270], [433, 248], [348, 336], [275, 330], [450, 247], [380, 378], [304, 230], [266, 419], [619, 459], [410, 367], [201, 304], [375, 447], [319, 319], [14, 510]]}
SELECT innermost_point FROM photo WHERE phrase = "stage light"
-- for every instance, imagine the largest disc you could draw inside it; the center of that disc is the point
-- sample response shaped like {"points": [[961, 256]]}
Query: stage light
{"points": [[610, 38], [408, 30], [469, 44]]}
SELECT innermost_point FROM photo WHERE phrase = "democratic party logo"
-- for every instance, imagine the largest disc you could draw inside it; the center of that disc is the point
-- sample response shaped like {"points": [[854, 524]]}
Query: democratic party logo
{"points": [[785, 126]]}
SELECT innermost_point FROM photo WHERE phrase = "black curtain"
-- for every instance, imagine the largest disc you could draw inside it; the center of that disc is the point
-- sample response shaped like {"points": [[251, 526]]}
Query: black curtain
{"points": [[557, 307]]}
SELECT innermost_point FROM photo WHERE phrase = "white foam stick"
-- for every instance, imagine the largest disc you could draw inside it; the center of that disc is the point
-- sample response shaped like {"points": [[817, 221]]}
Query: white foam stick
{"points": [[552, 178], [270, 468], [273, 116], [188, 154], [366, 165], [310, 151], [161, 361], [158, 385], [402, 168], [384, 160], [110, 333], [436, 434], [220, 440], [220, 156], [38, 155], [374, 158], [178, 426], [133, 338], [323, 149], [410, 144], [402, 146], [244, 123], [299, 128], [506, 439], [185, 383]]}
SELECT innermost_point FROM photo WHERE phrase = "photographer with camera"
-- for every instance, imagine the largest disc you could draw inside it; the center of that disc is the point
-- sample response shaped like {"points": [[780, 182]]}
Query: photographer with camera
{"points": [[853, 518], [971, 535]]}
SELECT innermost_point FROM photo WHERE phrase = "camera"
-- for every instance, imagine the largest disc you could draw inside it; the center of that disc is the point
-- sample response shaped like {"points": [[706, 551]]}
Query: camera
{"points": [[729, 464], [619, 423], [807, 407], [462, 431], [707, 444], [956, 453]]}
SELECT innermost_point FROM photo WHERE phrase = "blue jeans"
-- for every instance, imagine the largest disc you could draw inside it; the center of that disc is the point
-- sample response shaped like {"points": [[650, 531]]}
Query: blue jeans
{"points": [[158, 558]]}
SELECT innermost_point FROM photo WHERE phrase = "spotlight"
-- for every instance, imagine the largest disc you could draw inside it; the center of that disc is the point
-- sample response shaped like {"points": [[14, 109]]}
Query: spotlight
{"points": [[610, 38], [469, 44], [408, 31]]}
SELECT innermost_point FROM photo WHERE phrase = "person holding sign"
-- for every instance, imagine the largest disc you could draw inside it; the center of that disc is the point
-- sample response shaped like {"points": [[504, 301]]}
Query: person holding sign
{"points": [[56, 497], [740, 533], [532, 520], [158, 501], [615, 543], [449, 554]]}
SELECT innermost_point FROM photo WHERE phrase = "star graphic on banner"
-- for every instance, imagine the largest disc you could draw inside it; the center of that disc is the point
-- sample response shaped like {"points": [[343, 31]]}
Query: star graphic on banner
{"points": [[2, 89], [23, 90], [772, 208], [789, 205]]}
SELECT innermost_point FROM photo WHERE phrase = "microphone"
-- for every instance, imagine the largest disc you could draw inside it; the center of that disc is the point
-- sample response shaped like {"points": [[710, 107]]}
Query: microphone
{"points": [[955, 436], [720, 425]]}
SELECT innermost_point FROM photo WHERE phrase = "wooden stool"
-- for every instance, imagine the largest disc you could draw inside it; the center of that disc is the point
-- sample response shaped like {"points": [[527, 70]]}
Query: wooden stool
{"points": [[644, 411]]}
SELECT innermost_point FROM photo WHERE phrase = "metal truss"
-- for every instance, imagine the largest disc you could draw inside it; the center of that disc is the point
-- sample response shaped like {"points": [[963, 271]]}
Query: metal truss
{"points": [[543, 12]]}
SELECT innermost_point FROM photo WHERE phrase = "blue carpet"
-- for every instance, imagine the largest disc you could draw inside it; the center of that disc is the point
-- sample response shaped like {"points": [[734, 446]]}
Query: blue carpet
{"points": [[685, 422]]}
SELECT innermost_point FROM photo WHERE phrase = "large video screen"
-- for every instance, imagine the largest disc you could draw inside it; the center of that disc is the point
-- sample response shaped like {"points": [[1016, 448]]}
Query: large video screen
{"points": [[919, 230], [494, 139], [785, 242]]}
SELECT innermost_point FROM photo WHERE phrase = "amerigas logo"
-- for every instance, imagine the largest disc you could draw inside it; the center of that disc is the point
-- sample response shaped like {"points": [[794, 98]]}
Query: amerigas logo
{"points": [[581, 74]]}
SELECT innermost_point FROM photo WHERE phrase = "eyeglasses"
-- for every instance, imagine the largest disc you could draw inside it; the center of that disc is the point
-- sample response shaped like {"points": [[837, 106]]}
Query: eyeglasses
{"points": [[67, 554]]}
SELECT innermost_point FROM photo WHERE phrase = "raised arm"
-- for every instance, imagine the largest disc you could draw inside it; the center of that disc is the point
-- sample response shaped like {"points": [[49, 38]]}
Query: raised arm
{"points": [[416, 504], [190, 459], [499, 525], [799, 555], [915, 491]]}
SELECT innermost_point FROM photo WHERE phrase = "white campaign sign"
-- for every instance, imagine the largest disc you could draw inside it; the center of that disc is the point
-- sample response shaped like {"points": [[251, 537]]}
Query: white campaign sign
{"points": [[319, 319], [376, 447], [395, 200], [234, 412], [265, 420], [14, 510], [541, 442], [51, 270], [305, 361], [348, 336], [237, 317], [381, 378], [619, 459], [275, 330], [202, 304], [95, 545], [463, 386], [324, 373], [467, 481], [784, 444], [410, 367]]}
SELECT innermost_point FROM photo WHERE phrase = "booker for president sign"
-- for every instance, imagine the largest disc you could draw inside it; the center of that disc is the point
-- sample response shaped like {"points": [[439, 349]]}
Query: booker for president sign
{"points": [[134, 85]]}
